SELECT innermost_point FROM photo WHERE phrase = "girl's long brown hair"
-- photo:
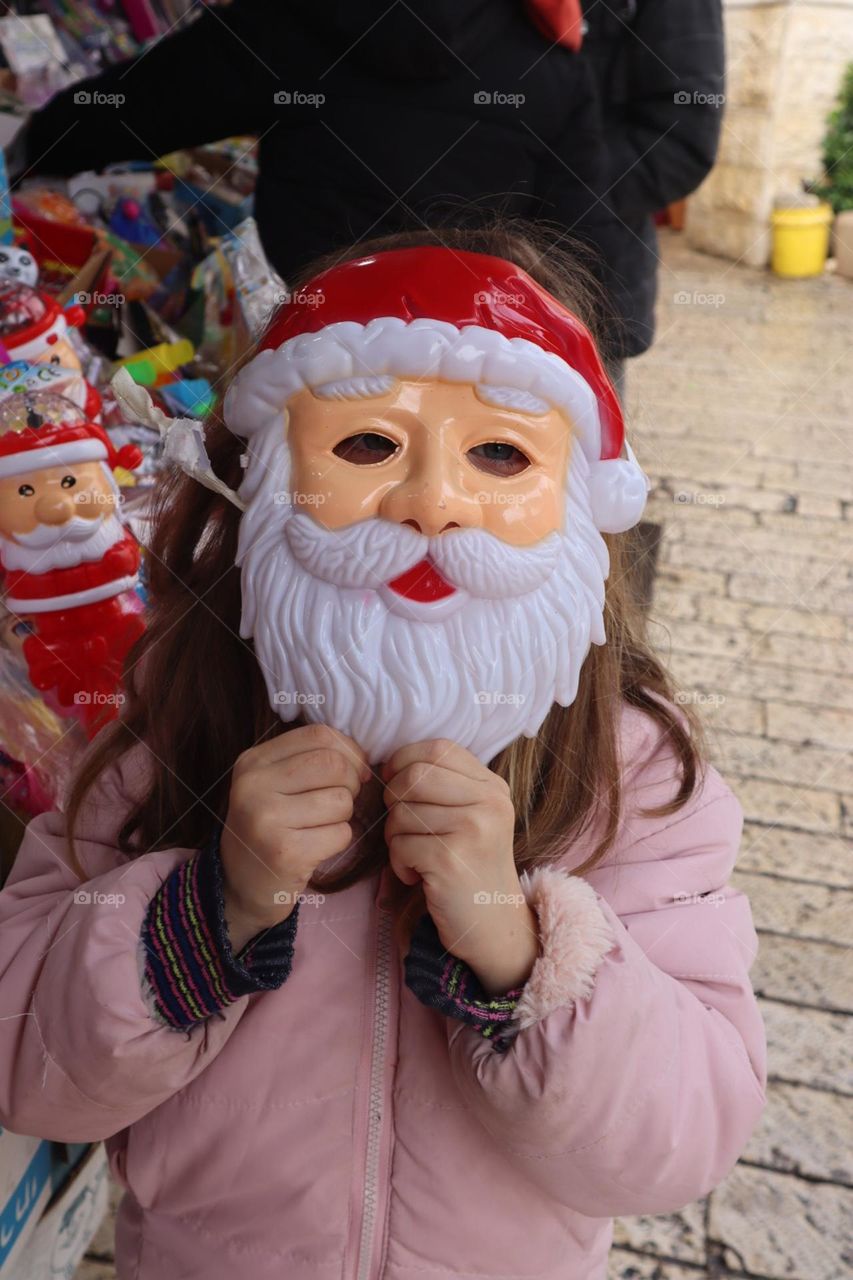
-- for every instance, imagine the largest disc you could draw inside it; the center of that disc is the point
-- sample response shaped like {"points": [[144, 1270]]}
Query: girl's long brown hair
{"points": [[196, 698]]}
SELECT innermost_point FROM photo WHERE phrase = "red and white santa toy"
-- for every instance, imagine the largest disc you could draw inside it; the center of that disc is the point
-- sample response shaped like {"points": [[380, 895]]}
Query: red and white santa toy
{"points": [[70, 566], [35, 328]]}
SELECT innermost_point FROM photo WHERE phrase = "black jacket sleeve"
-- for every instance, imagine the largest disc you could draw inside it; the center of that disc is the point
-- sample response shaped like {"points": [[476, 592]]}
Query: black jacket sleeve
{"points": [[663, 132], [210, 80]]}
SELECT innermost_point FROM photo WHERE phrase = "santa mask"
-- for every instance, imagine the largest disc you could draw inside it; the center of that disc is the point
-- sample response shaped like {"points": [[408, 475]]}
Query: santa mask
{"points": [[433, 454]]}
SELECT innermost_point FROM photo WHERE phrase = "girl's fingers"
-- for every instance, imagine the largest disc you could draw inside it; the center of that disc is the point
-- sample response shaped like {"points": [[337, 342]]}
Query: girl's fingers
{"points": [[310, 771], [432, 784], [421, 819], [408, 856], [319, 808], [437, 751], [312, 737]]}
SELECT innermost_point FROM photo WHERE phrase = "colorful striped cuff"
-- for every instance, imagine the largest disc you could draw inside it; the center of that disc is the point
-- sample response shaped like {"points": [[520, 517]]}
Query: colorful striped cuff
{"points": [[442, 981], [191, 970]]}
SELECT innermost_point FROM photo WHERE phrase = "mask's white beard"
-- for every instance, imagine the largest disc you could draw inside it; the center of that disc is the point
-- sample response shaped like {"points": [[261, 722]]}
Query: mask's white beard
{"points": [[62, 546], [331, 650]]}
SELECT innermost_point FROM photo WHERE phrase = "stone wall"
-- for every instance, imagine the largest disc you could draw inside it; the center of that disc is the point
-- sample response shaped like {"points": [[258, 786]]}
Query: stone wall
{"points": [[785, 62]]}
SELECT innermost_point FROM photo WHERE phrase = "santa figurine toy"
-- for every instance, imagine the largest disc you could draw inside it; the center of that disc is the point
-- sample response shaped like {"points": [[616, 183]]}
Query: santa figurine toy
{"points": [[35, 328], [70, 564]]}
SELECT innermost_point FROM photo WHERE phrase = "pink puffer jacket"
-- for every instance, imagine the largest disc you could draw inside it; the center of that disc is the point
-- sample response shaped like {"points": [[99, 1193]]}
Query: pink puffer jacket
{"points": [[337, 1128]]}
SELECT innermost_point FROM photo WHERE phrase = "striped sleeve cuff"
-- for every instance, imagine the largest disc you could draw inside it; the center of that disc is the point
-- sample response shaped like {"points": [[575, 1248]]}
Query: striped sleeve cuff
{"points": [[191, 971], [442, 981]]}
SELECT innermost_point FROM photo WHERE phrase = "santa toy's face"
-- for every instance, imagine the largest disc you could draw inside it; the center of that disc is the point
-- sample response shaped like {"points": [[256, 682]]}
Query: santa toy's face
{"points": [[57, 517], [59, 352]]}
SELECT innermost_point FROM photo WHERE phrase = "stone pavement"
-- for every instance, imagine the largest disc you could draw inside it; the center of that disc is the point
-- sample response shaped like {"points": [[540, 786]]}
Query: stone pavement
{"points": [[742, 416]]}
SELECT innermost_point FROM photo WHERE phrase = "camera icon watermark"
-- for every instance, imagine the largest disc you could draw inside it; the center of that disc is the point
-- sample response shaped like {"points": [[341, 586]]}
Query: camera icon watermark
{"points": [[497, 298], [695, 697], [289, 698], [695, 298], [698, 98], [685, 497], [283, 898], [96, 299], [285, 499], [94, 897], [498, 697], [495, 98], [483, 898], [98, 698], [296, 98], [95, 98]]}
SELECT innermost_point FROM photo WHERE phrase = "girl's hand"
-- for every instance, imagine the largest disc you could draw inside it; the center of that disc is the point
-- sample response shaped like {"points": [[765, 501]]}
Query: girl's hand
{"points": [[451, 825], [289, 808]]}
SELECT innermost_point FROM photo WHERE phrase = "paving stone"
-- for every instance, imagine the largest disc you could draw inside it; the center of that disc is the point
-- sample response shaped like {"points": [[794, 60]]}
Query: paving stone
{"points": [[831, 594], [633, 1266], [804, 1131], [674, 1235], [796, 854], [800, 910], [762, 680], [815, 973], [803, 807], [827, 726], [774, 1225], [806, 1046], [751, 756]]}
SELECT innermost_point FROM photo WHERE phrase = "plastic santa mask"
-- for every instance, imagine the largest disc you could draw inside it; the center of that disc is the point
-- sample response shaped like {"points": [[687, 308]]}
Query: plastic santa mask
{"points": [[431, 455], [423, 595]]}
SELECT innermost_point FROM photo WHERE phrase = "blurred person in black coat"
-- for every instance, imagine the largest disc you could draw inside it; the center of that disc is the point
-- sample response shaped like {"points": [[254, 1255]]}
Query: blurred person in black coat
{"points": [[659, 67], [371, 118], [374, 118]]}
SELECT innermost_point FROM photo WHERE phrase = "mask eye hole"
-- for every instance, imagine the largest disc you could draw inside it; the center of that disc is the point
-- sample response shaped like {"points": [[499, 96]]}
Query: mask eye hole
{"points": [[498, 458], [366, 448], [26, 490], [68, 482]]}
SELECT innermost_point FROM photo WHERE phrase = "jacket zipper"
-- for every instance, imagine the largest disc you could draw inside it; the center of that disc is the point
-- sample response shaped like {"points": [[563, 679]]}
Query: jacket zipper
{"points": [[377, 1088]]}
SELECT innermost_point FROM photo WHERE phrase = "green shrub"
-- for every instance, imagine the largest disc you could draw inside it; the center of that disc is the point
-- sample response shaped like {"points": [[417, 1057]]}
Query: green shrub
{"points": [[837, 184]]}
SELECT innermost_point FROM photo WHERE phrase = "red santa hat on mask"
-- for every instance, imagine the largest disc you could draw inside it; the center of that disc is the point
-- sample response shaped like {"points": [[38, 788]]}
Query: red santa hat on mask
{"points": [[433, 312], [58, 435]]}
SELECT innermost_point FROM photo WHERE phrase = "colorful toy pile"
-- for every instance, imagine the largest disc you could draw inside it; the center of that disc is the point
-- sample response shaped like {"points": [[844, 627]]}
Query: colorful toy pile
{"points": [[107, 272]]}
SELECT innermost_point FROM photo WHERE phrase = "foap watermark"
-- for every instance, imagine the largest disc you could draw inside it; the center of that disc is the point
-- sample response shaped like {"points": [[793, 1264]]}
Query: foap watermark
{"points": [[301, 297], [97, 299], [696, 698], [283, 499], [497, 298], [94, 898], [684, 497], [283, 898], [495, 98], [699, 899], [94, 98], [698, 98], [288, 698], [498, 697], [296, 98], [499, 499], [483, 898], [97, 698], [695, 298]]}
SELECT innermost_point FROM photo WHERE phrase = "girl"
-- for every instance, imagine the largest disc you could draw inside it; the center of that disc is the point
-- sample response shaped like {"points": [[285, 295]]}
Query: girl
{"points": [[384, 1015]]}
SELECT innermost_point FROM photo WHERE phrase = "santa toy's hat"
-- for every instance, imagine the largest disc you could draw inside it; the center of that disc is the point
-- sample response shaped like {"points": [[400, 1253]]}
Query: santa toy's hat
{"points": [[437, 313], [54, 433]]}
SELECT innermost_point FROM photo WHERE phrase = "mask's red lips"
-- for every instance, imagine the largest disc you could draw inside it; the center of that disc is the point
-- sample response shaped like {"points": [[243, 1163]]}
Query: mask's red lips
{"points": [[422, 582]]}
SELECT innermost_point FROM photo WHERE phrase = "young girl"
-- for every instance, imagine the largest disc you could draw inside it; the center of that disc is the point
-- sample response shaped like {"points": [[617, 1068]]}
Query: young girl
{"points": [[376, 947]]}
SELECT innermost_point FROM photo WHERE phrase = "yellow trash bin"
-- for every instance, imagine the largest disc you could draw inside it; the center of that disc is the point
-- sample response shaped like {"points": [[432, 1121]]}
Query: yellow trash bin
{"points": [[800, 240]]}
